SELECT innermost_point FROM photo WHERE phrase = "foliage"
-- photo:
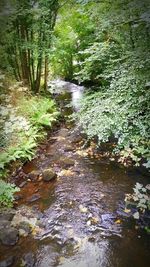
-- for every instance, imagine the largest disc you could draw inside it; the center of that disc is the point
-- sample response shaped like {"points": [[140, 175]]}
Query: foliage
{"points": [[117, 61], [7, 191], [23, 120], [140, 199], [26, 32], [73, 33]]}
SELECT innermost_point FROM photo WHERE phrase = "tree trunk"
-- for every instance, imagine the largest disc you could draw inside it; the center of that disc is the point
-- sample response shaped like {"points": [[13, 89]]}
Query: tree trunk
{"points": [[46, 73]]}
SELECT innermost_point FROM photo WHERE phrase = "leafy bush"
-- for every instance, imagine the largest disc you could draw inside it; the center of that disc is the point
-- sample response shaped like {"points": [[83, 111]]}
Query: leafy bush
{"points": [[7, 191], [139, 200], [41, 110], [121, 110]]}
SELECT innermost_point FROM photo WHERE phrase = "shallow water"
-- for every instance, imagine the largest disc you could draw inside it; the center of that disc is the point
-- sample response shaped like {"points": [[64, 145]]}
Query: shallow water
{"points": [[82, 211]]}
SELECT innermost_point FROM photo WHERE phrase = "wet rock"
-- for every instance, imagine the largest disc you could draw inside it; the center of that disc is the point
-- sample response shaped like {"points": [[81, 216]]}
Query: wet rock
{"points": [[18, 197], [66, 162], [68, 148], [23, 184], [9, 236], [23, 233], [75, 137], [4, 224], [63, 132], [8, 262], [48, 175], [29, 260], [24, 214], [26, 227], [33, 198], [91, 239], [7, 214], [33, 175]]}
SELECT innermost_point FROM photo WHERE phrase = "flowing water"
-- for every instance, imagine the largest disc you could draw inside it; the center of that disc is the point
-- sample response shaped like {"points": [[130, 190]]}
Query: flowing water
{"points": [[82, 211]]}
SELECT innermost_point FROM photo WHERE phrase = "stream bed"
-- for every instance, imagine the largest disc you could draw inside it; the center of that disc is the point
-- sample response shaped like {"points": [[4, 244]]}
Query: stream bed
{"points": [[80, 214]]}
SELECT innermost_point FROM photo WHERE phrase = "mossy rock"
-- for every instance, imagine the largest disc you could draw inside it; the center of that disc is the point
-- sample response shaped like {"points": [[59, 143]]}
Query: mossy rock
{"points": [[48, 175]]}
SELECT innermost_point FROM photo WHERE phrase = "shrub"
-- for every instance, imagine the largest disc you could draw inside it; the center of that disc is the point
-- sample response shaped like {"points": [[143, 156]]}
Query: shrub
{"points": [[7, 191]]}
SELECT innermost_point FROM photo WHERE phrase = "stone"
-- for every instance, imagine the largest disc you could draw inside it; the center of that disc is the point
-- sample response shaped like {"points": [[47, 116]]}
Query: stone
{"points": [[68, 148], [4, 224], [7, 214], [33, 175], [18, 197], [63, 132], [9, 236], [24, 214], [29, 260], [25, 226], [91, 239], [33, 198], [8, 262], [23, 184], [48, 175], [66, 162], [23, 233]]}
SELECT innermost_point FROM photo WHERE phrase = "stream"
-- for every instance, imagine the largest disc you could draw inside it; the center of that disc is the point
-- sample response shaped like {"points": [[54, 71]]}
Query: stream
{"points": [[81, 215]]}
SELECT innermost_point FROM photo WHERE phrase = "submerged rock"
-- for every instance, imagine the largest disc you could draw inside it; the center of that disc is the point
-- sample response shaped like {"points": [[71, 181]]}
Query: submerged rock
{"points": [[33, 175], [34, 197], [9, 236], [29, 260], [68, 148], [7, 262], [48, 175], [23, 184], [66, 162]]}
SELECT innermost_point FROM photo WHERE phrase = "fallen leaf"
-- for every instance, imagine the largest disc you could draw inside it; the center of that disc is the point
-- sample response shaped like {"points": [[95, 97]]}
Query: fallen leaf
{"points": [[94, 220], [83, 209], [127, 210], [118, 221]]}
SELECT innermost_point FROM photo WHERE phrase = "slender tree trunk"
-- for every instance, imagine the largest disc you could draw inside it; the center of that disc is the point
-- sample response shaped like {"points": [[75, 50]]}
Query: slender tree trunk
{"points": [[131, 35], [46, 73]]}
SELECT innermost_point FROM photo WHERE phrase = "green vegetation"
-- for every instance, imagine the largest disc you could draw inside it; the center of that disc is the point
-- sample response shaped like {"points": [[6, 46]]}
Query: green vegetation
{"points": [[113, 56], [139, 201], [7, 191], [23, 120], [26, 32]]}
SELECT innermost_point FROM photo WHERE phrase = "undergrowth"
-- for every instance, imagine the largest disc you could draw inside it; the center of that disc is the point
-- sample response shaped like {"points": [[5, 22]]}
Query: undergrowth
{"points": [[23, 121]]}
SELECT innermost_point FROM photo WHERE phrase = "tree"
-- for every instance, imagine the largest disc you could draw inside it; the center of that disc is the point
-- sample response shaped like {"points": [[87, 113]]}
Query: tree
{"points": [[27, 39]]}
